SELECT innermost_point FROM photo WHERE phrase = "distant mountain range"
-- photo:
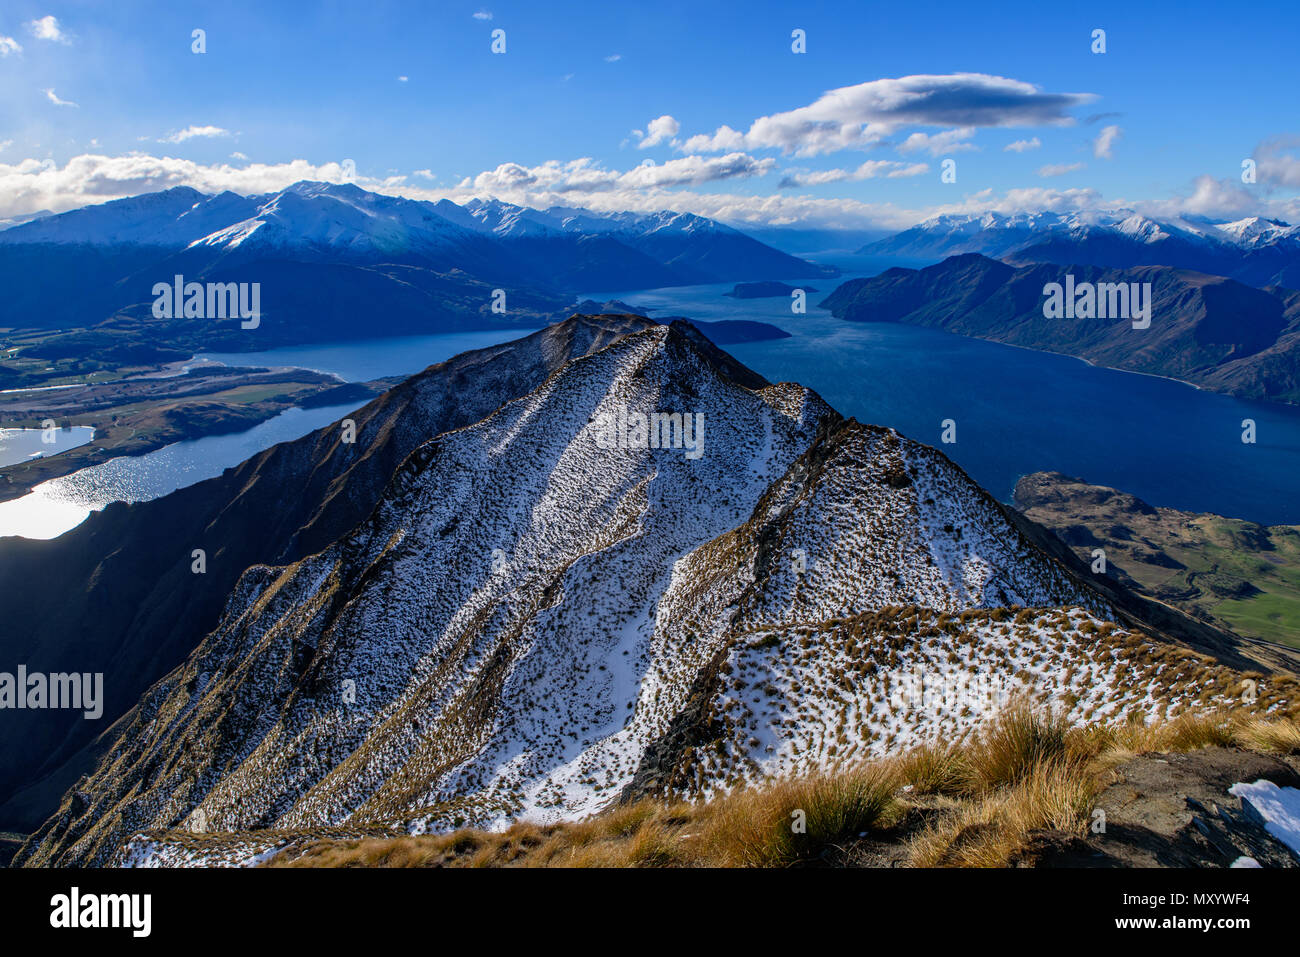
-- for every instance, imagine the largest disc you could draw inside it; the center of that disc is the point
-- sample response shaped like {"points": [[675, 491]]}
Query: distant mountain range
{"points": [[481, 610], [1215, 332], [336, 261], [1256, 251]]}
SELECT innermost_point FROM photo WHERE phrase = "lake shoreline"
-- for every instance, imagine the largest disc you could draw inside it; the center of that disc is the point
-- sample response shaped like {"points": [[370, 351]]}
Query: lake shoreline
{"points": [[222, 397], [1088, 362], [20, 478]]}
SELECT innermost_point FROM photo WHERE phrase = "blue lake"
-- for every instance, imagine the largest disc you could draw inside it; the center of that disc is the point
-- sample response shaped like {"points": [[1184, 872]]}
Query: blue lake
{"points": [[370, 358], [1019, 411], [19, 445], [53, 507]]}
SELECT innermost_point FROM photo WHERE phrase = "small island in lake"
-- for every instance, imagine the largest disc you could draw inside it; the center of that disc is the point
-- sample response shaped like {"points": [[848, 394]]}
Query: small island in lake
{"points": [[764, 290]]}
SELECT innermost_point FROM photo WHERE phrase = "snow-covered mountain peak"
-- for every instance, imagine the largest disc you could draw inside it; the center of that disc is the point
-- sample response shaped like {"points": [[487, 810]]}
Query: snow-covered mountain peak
{"points": [[1257, 231], [338, 216], [1254, 250], [1141, 228], [149, 219]]}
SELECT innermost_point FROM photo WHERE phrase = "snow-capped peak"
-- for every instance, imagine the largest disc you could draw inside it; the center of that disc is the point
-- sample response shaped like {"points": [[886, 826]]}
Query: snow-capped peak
{"points": [[338, 215], [153, 219], [1257, 231], [1143, 229]]}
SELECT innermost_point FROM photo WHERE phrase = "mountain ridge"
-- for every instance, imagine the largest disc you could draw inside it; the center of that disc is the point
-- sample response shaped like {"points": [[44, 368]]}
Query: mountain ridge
{"points": [[525, 616], [130, 563]]}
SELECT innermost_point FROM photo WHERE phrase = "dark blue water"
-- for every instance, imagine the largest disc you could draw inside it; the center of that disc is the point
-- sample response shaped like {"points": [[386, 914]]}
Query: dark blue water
{"points": [[371, 358], [1020, 411]]}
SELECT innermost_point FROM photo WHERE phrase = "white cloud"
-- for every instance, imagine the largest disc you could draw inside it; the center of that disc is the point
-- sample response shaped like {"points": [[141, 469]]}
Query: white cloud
{"points": [[937, 144], [1024, 200], [575, 175], [868, 170], [657, 131], [1021, 146], [403, 79], [48, 28], [1225, 198], [695, 170], [861, 116], [910, 169], [613, 58], [1059, 169], [585, 176], [54, 98], [9, 45], [191, 132], [483, 15], [5, 144], [424, 173], [1276, 162], [1105, 142], [723, 138], [238, 156], [30, 184]]}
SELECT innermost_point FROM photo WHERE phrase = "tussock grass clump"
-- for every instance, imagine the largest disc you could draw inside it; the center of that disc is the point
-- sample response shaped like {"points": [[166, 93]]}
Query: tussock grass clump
{"points": [[1108, 745], [1275, 737], [986, 832], [1029, 770], [796, 819], [1019, 740], [936, 768]]}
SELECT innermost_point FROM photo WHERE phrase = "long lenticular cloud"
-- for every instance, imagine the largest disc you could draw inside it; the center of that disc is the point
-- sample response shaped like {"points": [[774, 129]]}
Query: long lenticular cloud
{"points": [[862, 116]]}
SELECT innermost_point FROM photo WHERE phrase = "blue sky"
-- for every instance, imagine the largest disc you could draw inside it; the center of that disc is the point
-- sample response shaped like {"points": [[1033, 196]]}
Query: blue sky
{"points": [[289, 90]]}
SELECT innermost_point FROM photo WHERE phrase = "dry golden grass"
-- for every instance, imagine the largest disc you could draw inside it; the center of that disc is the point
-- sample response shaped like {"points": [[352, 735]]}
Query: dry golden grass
{"points": [[1014, 745], [1275, 737], [936, 768], [1024, 771], [796, 819], [776, 825], [986, 831]]}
